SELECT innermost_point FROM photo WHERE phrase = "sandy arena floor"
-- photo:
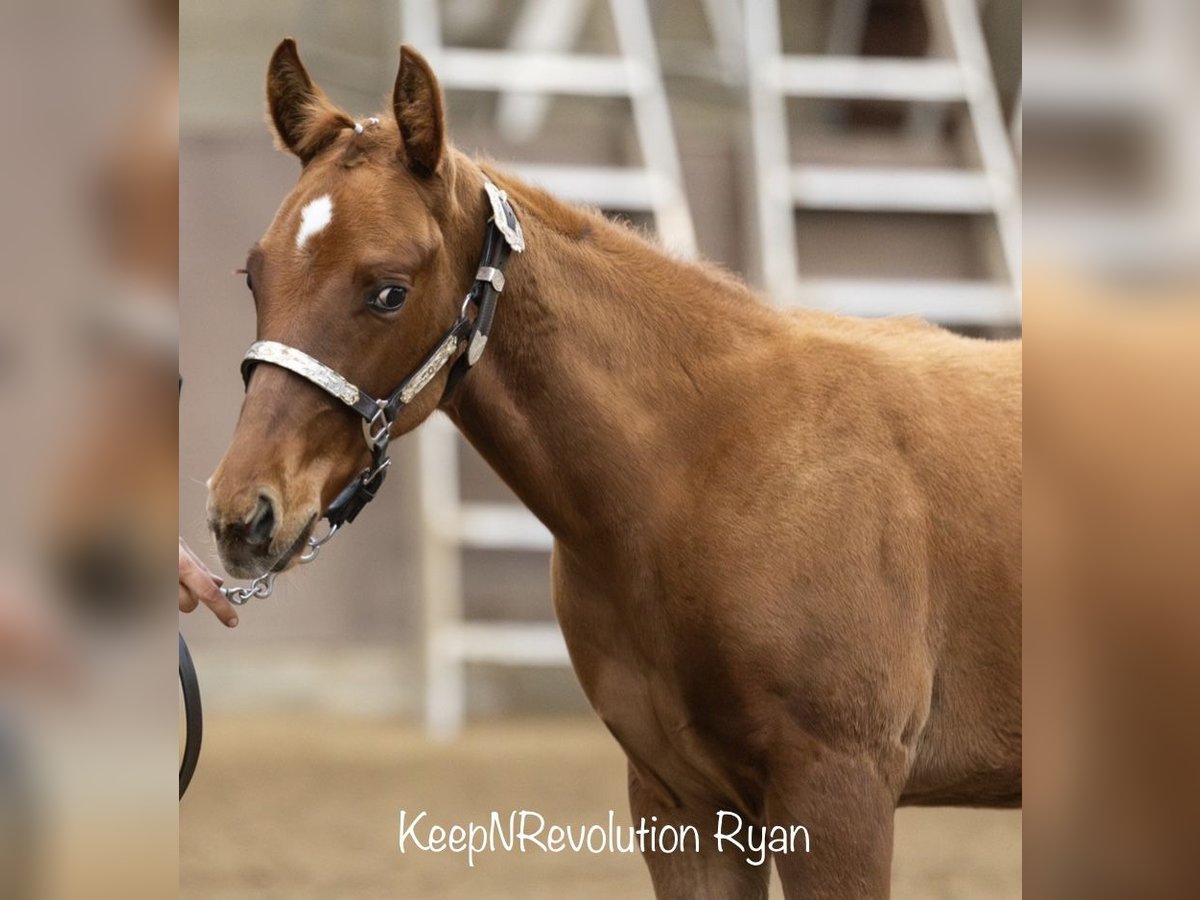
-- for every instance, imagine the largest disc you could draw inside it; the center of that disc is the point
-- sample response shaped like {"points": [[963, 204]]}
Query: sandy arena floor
{"points": [[297, 807]]}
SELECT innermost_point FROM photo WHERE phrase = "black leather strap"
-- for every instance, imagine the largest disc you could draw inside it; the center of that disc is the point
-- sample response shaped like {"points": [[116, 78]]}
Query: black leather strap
{"points": [[192, 715], [362, 490], [485, 294]]}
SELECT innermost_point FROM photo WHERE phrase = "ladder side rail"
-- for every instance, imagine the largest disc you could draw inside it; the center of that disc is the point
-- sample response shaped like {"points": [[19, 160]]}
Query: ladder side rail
{"points": [[654, 126], [421, 25], [775, 231], [542, 25], [440, 577], [991, 131]]}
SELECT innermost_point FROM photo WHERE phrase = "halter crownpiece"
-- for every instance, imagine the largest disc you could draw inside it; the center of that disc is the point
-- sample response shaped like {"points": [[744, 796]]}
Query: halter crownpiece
{"points": [[504, 235]]}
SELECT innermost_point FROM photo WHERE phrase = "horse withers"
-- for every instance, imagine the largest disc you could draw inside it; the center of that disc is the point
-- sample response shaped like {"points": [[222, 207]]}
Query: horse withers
{"points": [[787, 557]]}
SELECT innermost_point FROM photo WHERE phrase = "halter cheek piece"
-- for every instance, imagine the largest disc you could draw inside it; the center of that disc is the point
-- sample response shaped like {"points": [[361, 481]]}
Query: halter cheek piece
{"points": [[503, 236]]}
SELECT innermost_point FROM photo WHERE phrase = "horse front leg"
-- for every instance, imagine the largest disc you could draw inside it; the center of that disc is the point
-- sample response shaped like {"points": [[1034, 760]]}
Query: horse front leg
{"points": [[847, 807], [688, 875]]}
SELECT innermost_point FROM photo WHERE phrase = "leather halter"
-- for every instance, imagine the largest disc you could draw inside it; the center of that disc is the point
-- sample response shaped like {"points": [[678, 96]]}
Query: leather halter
{"points": [[379, 414]]}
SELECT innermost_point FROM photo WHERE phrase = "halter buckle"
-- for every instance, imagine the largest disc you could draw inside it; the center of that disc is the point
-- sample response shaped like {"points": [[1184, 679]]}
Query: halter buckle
{"points": [[377, 429]]}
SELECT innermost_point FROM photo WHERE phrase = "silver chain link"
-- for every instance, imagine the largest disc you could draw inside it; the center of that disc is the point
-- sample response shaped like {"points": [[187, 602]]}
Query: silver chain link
{"points": [[262, 586]]}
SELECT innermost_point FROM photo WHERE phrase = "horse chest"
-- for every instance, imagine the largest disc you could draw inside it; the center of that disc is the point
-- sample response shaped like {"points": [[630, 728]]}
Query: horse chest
{"points": [[647, 712], [639, 678]]}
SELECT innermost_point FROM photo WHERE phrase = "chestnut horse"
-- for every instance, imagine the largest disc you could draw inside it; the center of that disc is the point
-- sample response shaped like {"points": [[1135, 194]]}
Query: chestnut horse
{"points": [[787, 557]]}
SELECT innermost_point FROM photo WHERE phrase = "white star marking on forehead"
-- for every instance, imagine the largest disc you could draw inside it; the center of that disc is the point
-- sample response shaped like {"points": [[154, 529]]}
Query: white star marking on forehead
{"points": [[316, 215]]}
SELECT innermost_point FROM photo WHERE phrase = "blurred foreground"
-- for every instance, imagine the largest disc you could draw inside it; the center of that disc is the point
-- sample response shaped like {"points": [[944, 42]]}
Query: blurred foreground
{"points": [[88, 370], [1112, 600], [1112, 448]]}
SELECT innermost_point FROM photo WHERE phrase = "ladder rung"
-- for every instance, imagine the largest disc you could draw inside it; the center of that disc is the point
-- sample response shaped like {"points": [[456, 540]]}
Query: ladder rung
{"points": [[608, 187], [508, 643], [891, 189], [946, 301], [580, 74], [852, 77], [501, 526]]}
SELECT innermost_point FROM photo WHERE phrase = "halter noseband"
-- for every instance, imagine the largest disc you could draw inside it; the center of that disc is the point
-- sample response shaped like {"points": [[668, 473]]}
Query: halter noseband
{"points": [[503, 235]]}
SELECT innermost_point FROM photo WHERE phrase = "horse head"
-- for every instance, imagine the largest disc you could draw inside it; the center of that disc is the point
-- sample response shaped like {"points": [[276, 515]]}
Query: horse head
{"points": [[363, 268]]}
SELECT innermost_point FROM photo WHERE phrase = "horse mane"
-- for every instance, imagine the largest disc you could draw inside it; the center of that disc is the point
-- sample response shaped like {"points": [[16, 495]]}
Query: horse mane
{"points": [[586, 225]]}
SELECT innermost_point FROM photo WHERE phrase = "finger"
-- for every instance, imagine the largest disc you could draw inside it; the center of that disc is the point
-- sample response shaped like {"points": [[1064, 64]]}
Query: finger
{"points": [[220, 605], [185, 553], [209, 592], [187, 600]]}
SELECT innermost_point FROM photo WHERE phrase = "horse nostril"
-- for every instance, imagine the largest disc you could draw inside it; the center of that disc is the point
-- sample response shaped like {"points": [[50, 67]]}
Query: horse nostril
{"points": [[261, 527]]}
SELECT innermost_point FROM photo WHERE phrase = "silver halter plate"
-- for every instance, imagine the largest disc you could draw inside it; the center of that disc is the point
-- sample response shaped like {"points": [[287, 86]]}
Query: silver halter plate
{"points": [[306, 367]]}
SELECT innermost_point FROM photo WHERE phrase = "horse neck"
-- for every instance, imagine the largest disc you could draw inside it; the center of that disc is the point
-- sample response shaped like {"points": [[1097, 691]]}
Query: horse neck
{"points": [[605, 359]]}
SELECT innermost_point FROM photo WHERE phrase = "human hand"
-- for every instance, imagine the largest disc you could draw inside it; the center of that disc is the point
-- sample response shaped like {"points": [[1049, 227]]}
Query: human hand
{"points": [[197, 584]]}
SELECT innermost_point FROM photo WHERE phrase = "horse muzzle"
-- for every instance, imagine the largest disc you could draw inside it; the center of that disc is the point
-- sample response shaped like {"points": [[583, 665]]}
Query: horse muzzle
{"points": [[259, 537]]}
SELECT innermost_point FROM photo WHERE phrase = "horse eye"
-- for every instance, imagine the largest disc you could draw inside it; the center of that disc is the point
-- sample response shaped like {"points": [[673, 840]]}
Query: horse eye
{"points": [[389, 298], [249, 283]]}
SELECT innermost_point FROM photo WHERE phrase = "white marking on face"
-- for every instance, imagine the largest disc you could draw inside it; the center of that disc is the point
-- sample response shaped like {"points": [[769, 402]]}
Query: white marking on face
{"points": [[315, 216]]}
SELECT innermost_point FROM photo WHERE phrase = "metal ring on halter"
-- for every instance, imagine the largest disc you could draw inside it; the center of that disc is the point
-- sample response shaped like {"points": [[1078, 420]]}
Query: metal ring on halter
{"points": [[315, 544], [385, 463]]}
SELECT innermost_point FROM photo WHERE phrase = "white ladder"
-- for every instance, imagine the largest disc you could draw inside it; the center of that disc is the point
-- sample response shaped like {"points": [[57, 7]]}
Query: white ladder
{"points": [[539, 61], [780, 187], [535, 63], [448, 526]]}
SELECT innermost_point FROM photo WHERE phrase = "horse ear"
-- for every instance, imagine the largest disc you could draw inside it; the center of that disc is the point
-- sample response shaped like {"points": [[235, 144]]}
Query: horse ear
{"points": [[417, 103], [304, 119]]}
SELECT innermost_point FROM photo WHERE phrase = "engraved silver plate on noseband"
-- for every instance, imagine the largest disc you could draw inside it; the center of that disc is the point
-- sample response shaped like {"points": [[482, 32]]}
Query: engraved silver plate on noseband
{"points": [[306, 367]]}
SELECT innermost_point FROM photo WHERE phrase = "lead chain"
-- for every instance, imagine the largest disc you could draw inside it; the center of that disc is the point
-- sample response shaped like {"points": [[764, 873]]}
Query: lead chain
{"points": [[262, 586]]}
